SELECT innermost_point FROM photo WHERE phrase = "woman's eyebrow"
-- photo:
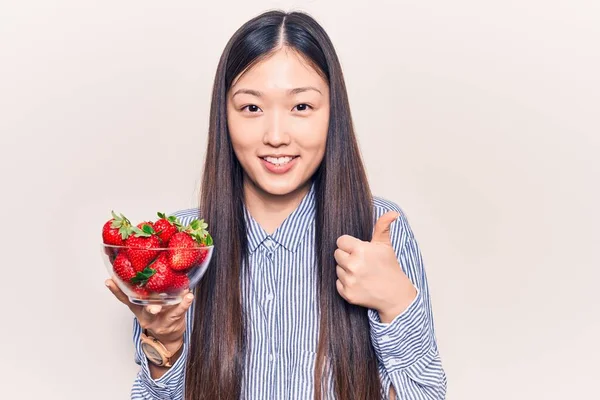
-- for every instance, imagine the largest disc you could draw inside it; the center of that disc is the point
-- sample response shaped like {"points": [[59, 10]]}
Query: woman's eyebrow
{"points": [[290, 92]]}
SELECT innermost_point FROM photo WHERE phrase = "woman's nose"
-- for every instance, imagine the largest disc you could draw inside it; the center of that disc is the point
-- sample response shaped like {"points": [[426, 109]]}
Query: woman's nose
{"points": [[276, 131]]}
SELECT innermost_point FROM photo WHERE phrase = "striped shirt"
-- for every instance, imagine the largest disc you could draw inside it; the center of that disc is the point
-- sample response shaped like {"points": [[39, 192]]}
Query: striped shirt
{"points": [[283, 319]]}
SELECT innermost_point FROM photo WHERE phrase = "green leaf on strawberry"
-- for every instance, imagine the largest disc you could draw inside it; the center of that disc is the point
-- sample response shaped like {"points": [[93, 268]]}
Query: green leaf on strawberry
{"points": [[141, 278], [199, 225], [197, 230], [172, 219], [146, 231], [166, 227], [121, 223]]}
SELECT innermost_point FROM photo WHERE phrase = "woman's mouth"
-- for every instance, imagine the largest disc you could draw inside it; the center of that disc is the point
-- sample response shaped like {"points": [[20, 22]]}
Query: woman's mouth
{"points": [[279, 165], [279, 160]]}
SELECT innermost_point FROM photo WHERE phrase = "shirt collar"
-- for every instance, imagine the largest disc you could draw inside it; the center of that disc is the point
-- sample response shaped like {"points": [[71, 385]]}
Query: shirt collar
{"points": [[291, 231]]}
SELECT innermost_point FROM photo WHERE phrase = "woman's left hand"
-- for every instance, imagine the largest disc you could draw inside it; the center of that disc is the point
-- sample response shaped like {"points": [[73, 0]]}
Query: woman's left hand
{"points": [[369, 274]]}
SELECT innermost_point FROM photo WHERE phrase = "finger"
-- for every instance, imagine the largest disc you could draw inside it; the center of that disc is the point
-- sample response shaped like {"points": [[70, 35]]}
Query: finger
{"points": [[112, 286], [348, 243], [381, 232], [340, 288], [182, 307], [341, 273], [341, 257], [153, 310], [166, 308]]}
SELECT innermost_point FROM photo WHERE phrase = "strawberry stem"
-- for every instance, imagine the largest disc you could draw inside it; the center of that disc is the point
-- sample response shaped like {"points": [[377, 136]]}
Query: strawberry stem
{"points": [[122, 224], [197, 230]]}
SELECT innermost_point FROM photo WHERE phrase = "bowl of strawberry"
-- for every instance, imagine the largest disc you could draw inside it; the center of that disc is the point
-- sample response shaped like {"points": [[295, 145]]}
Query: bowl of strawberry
{"points": [[155, 262]]}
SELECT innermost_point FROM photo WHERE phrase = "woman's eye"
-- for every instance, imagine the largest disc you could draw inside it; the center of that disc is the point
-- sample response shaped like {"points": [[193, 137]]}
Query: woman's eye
{"points": [[251, 108], [303, 107]]}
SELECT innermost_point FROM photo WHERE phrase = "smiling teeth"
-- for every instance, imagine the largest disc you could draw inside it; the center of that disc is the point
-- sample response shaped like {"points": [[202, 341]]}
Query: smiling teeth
{"points": [[279, 161]]}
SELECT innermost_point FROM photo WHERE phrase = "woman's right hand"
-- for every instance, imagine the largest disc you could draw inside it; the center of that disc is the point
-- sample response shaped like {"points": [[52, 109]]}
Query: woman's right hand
{"points": [[165, 323]]}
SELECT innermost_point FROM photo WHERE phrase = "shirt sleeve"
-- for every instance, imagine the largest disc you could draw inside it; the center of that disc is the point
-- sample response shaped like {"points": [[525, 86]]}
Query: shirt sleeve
{"points": [[170, 386], [406, 347]]}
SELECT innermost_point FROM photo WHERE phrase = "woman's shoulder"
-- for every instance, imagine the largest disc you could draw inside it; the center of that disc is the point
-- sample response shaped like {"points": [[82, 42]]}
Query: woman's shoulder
{"points": [[186, 215]]}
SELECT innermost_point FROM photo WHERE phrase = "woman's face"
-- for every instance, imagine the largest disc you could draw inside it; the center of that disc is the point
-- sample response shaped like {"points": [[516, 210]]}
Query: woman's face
{"points": [[278, 118]]}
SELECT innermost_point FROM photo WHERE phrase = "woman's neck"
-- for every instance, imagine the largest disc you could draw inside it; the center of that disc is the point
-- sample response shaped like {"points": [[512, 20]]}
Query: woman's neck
{"points": [[271, 210]]}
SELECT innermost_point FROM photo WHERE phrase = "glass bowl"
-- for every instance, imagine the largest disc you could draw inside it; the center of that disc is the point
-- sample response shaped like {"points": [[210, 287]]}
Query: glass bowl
{"points": [[156, 276]]}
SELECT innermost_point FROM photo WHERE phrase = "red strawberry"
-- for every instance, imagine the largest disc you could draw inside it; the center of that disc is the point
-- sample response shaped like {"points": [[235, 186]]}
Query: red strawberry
{"points": [[181, 254], [140, 246], [203, 254], [166, 227], [163, 278], [193, 236], [181, 282], [141, 224], [116, 230], [123, 268], [141, 292], [158, 277]]}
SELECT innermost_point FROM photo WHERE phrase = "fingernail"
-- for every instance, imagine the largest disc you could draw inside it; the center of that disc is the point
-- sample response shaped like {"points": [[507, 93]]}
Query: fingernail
{"points": [[107, 283], [153, 310], [189, 296]]}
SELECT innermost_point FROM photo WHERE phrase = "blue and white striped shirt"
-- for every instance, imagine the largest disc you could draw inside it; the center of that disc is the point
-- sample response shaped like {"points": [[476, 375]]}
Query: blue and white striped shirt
{"points": [[283, 319]]}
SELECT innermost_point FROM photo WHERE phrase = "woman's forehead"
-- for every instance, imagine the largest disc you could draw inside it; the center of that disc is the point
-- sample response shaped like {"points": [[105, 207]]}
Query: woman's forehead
{"points": [[283, 70]]}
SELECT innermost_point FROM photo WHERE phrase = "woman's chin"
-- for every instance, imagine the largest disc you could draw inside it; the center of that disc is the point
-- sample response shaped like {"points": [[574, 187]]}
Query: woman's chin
{"points": [[278, 186]]}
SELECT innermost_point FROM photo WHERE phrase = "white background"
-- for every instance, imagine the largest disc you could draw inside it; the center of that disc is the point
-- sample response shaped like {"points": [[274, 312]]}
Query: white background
{"points": [[480, 118]]}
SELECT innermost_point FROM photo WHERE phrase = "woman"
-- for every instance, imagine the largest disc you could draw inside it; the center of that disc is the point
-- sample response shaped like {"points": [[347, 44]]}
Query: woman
{"points": [[316, 288]]}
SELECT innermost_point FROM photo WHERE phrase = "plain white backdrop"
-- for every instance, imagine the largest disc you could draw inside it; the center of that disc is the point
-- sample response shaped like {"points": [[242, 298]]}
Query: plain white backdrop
{"points": [[480, 118]]}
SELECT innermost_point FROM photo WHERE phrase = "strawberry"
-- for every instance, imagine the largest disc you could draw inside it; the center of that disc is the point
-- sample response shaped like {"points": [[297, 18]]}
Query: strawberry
{"points": [[202, 237], [166, 227], [181, 282], [123, 268], [158, 277], [140, 246], [181, 254], [141, 225], [203, 254], [116, 230], [194, 236], [141, 292]]}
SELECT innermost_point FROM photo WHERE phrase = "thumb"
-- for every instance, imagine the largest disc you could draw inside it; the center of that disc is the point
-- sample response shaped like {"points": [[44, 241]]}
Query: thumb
{"points": [[381, 232]]}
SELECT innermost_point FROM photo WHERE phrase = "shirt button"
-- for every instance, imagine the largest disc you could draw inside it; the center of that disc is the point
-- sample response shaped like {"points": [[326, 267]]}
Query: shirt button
{"points": [[271, 357], [385, 339], [270, 296]]}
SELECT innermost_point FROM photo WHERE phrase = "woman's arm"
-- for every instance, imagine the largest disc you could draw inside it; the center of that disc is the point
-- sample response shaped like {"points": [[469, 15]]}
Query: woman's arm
{"points": [[158, 383], [153, 382], [406, 347]]}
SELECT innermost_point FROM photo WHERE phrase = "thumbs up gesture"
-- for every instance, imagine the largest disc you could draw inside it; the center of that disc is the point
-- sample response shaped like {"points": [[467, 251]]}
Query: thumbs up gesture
{"points": [[369, 274]]}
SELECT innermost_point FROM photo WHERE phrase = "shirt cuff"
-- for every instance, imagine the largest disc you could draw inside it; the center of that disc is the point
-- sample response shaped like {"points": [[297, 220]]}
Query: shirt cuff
{"points": [[406, 339], [168, 384]]}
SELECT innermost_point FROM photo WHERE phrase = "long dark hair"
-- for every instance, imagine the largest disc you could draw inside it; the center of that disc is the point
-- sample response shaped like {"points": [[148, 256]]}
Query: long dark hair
{"points": [[343, 206]]}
